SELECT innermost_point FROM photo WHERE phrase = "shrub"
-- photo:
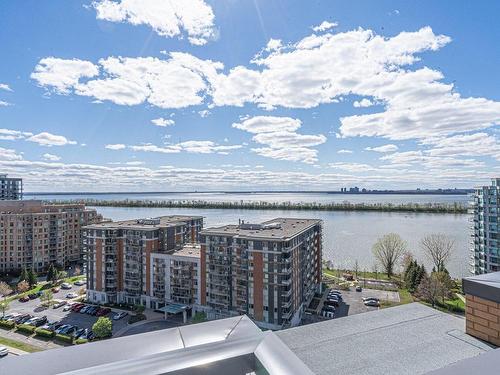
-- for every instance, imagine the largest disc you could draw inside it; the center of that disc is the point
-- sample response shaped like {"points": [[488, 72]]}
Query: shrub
{"points": [[7, 324], [44, 333], [136, 318], [103, 327], [26, 328], [64, 338], [81, 341]]}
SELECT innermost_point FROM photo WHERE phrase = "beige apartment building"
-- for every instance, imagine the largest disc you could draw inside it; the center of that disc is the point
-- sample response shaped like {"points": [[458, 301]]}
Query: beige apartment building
{"points": [[144, 261], [268, 271], [34, 234]]}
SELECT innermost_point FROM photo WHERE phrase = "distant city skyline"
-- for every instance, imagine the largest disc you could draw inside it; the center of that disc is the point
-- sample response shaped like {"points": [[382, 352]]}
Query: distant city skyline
{"points": [[212, 95]]}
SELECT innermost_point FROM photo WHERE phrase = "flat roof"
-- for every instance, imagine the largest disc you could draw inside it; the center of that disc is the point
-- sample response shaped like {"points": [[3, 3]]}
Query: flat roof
{"points": [[486, 286], [484, 364], [164, 222], [279, 228], [188, 250], [406, 339]]}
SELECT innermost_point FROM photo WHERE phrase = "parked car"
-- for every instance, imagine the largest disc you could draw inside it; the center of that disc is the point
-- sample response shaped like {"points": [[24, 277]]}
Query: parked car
{"points": [[335, 294], [87, 334], [359, 289], [23, 318], [24, 299], [55, 289], [71, 330], [54, 326], [62, 328], [84, 309], [93, 310], [59, 304], [79, 332], [370, 299], [72, 295], [332, 291], [11, 316], [331, 302], [3, 351], [103, 311], [77, 307], [328, 314], [66, 286], [34, 295], [80, 282], [68, 306], [120, 315], [371, 302], [328, 308], [36, 321]]}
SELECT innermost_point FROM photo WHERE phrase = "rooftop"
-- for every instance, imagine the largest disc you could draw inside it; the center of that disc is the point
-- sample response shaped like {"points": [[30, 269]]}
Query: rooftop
{"points": [[150, 223], [485, 286], [188, 250], [407, 339], [279, 228]]}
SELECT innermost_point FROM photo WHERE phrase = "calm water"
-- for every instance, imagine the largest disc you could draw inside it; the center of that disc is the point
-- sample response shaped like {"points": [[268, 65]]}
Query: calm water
{"points": [[348, 236], [268, 197]]}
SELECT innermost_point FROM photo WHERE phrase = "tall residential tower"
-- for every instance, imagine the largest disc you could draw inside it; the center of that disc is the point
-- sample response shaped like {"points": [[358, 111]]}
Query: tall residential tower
{"points": [[10, 188], [485, 229]]}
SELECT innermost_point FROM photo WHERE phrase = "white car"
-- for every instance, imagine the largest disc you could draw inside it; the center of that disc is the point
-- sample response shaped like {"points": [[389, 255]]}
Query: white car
{"points": [[80, 282], [72, 295], [66, 286], [372, 303], [3, 351]]}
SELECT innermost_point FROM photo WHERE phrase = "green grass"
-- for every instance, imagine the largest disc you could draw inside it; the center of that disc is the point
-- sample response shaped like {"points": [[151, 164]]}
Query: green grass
{"points": [[361, 274], [19, 345], [404, 298], [46, 285], [199, 317]]}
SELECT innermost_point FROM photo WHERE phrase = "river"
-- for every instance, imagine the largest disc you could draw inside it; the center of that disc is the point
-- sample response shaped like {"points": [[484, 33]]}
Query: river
{"points": [[348, 236]]}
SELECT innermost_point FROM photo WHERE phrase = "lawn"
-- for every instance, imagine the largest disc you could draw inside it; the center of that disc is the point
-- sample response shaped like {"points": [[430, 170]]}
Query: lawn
{"points": [[45, 285], [361, 274], [19, 345], [404, 298]]}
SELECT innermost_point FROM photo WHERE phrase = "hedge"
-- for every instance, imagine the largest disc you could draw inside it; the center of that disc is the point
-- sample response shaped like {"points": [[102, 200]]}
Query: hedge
{"points": [[81, 341], [64, 338], [26, 328], [7, 324], [44, 333], [136, 318]]}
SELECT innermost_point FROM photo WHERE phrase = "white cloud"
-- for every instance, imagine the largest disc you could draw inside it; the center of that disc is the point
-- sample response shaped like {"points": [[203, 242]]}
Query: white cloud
{"points": [[325, 25], [280, 136], [204, 113], [51, 157], [363, 103], [343, 151], [273, 45], [4, 103], [48, 139], [162, 122], [384, 148], [195, 147], [117, 146], [167, 18], [13, 135], [4, 86], [7, 154], [352, 167], [62, 75], [478, 144]]}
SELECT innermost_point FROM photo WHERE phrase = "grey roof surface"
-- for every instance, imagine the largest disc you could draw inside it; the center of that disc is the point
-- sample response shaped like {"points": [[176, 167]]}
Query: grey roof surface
{"points": [[407, 339], [484, 364], [279, 228], [486, 286], [165, 221]]}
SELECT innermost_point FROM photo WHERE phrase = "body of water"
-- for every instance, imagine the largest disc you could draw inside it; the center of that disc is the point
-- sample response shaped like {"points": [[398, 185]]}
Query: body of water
{"points": [[347, 236]]}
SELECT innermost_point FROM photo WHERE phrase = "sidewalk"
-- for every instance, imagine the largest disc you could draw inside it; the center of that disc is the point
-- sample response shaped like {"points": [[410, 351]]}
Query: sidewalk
{"points": [[15, 351]]}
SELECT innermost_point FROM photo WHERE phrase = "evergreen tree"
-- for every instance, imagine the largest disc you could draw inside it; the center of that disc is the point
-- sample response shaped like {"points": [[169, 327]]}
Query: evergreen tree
{"points": [[24, 275], [50, 273], [32, 278]]}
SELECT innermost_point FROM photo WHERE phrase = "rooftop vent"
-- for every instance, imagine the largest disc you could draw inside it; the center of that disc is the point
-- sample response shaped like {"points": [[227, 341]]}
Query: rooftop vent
{"points": [[150, 221]]}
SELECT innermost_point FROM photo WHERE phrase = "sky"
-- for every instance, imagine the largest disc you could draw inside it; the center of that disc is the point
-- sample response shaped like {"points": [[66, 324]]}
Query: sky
{"points": [[180, 95]]}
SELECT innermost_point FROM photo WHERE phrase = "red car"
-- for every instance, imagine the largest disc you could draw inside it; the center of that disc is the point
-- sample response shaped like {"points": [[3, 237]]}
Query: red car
{"points": [[103, 311], [77, 307]]}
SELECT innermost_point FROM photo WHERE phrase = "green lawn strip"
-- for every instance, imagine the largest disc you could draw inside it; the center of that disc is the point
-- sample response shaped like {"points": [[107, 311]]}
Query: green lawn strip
{"points": [[44, 286], [361, 274], [404, 298], [19, 345]]}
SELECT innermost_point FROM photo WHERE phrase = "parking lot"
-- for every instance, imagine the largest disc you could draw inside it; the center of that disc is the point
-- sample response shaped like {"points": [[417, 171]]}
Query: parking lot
{"points": [[35, 308], [353, 301]]}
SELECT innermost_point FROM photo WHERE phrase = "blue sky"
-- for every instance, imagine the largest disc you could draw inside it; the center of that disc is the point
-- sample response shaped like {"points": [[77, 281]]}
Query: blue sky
{"points": [[248, 95]]}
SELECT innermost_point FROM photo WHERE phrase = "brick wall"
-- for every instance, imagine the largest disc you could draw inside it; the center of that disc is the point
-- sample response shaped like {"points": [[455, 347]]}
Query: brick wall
{"points": [[482, 319]]}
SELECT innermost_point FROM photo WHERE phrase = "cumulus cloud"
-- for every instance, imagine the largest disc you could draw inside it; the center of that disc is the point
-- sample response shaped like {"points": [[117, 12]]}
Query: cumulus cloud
{"points": [[363, 103], [3, 103], [195, 147], [7, 154], [48, 139], [280, 136], [478, 144], [163, 122], [13, 135], [4, 86], [193, 18], [384, 148], [116, 146], [325, 25], [352, 167], [51, 157]]}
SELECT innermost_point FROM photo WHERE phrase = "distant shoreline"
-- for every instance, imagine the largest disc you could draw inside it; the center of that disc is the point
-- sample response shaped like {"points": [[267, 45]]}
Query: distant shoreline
{"points": [[445, 208]]}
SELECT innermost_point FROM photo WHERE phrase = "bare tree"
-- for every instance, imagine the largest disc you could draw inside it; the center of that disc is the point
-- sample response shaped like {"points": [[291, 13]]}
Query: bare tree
{"points": [[356, 269], [388, 250], [5, 290], [438, 248], [435, 287], [22, 286]]}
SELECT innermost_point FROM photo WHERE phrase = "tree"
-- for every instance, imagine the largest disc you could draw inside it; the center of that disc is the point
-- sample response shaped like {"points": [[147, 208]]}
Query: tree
{"points": [[5, 290], [47, 297], [388, 250], [50, 273], [77, 271], [24, 275], [435, 287], [22, 286], [103, 327], [61, 275], [438, 248], [413, 275], [32, 278], [356, 269], [139, 309]]}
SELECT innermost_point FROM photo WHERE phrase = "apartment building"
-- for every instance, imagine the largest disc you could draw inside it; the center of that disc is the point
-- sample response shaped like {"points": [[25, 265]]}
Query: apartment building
{"points": [[34, 234], [485, 241], [10, 188], [127, 259], [269, 271]]}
